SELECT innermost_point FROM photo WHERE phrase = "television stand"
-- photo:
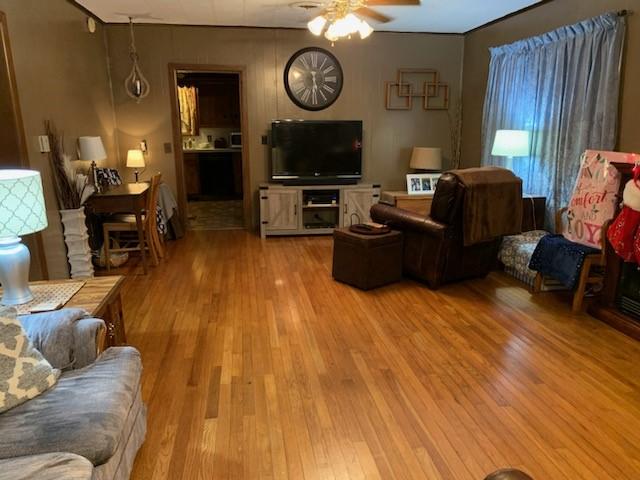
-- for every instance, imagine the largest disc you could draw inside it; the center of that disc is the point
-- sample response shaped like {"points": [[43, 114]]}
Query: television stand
{"points": [[314, 209], [299, 182]]}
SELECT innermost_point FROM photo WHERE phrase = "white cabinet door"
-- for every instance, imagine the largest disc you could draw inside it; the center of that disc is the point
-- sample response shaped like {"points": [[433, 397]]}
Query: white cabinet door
{"points": [[281, 210], [357, 203]]}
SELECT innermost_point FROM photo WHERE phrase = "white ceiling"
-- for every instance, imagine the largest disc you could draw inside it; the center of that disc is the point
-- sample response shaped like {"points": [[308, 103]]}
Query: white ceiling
{"points": [[446, 16]]}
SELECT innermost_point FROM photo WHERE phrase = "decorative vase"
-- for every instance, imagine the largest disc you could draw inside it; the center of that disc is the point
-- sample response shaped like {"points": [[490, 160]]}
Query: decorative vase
{"points": [[77, 240]]}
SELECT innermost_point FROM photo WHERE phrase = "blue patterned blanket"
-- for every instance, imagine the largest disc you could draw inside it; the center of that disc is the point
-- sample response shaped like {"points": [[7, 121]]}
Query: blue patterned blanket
{"points": [[559, 258]]}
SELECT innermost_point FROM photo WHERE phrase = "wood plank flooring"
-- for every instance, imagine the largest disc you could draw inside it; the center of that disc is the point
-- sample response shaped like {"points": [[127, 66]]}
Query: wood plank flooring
{"points": [[258, 365]]}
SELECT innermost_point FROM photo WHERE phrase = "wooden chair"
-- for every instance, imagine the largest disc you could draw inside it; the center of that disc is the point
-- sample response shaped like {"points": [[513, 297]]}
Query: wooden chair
{"points": [[125, 228], [592, 269]]}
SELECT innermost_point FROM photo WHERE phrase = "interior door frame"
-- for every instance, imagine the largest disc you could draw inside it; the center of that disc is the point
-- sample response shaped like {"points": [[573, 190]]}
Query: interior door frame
{"points": [[37, 245], [174, 69]]}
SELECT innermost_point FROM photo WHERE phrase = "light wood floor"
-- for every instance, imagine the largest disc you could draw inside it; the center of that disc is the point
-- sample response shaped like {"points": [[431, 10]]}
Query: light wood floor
{"points": [[259, 365]]}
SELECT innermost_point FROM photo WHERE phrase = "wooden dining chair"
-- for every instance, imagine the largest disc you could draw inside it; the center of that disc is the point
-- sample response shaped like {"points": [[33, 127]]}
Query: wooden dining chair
{"points": [[126, 230], [592, 272]]}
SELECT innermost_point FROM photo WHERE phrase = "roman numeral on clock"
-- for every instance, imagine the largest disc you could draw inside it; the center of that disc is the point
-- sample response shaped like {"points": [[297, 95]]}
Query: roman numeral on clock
{"points": [[330, 68], [328, 88]]}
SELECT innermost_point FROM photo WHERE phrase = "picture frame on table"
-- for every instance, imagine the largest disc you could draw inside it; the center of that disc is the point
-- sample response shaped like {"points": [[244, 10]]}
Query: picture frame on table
{"points": [[421, 183]]}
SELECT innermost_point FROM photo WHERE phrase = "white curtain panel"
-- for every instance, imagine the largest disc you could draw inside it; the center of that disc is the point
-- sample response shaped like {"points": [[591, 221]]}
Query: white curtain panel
{"points": [[563, 87]]}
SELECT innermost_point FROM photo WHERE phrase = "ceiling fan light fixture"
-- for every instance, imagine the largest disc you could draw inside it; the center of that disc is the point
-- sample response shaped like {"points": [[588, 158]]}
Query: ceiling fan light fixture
{"points": [[316, 25], [339, 20], [365, 29]]}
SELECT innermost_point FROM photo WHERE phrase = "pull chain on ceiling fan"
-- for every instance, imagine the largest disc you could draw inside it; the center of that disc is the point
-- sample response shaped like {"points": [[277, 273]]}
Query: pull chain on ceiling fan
{"points": [[341, 17]]}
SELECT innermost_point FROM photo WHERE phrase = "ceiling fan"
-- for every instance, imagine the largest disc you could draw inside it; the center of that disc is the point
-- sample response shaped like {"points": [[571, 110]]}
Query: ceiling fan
{"points": [[341, 17]]}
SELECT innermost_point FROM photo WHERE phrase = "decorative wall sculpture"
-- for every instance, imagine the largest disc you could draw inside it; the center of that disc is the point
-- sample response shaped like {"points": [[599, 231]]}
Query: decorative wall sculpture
{"points": [[417, 83]]}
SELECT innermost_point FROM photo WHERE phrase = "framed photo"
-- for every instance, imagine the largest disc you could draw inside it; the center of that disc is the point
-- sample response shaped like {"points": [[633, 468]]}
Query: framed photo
{"points": [[421, 183]]}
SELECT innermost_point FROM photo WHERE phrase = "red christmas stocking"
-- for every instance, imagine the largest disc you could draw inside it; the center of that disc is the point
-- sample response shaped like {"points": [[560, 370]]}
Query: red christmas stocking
{"points": [[622, 233]]}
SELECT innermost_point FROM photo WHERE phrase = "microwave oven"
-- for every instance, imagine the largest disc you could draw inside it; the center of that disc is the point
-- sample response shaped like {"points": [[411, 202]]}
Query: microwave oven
{"points": [[235, 140]]}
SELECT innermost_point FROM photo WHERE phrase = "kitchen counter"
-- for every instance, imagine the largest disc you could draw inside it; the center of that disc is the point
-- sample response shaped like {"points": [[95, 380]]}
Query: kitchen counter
{"points": [[212, 150]]}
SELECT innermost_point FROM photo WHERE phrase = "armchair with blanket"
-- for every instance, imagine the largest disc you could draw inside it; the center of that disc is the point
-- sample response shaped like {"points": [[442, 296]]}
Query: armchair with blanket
{"points": [[91, 423], [471, 210]]}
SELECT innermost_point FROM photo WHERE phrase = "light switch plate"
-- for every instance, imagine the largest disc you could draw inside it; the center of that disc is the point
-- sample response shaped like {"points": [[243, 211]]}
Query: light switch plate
{"points": [[43, 143]]}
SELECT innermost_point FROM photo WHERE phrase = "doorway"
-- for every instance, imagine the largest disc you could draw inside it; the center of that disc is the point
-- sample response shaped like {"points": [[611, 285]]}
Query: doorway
{"points": [[211, 160]]}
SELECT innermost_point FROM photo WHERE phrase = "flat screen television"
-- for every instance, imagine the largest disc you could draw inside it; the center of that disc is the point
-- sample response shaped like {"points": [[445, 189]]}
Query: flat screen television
{"points": [[316, 151]]}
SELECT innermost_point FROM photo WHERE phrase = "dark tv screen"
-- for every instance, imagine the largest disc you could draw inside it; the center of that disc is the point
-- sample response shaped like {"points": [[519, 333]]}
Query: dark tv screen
{"points": [[316, 149]]}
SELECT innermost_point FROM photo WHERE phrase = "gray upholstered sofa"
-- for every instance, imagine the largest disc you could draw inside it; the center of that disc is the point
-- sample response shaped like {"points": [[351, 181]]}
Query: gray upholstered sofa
{"points": [[91, 424]]}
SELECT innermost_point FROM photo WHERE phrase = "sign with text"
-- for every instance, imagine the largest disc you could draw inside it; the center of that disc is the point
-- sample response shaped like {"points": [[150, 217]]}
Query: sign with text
{"points": [[594, 196]]}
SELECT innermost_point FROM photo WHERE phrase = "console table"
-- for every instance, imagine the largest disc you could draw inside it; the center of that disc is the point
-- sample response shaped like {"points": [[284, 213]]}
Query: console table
{"points": [[420, 204], [533, 207]]}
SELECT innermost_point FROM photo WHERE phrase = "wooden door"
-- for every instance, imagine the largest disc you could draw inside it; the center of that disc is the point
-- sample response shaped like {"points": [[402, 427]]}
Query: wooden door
{"points": [[357, 203], [282, 210]]}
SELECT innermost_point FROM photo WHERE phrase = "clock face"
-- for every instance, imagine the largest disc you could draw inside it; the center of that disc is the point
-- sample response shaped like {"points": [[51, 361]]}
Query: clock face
{"points": [[313, 78]]}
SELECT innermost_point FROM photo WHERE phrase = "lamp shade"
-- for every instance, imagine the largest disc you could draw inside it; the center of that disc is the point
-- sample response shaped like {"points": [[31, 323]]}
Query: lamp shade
{"points": [[423, 158], [135, 158], [22, 208], [91, 148], [511, 143]]}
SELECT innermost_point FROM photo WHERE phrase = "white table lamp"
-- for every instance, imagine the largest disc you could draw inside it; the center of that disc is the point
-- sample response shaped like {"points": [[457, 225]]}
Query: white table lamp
{"points": [[91, 149], [423, 158], [22, 211], [511, 143], [135, 159]]}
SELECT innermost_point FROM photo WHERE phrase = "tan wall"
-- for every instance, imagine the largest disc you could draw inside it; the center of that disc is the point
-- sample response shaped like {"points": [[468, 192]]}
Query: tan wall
{"points": [[534, 22], [61, 73], [389, 135]]}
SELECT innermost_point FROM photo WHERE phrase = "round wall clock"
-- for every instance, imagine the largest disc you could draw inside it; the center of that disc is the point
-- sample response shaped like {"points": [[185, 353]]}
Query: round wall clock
{"points": [[313, 78]]}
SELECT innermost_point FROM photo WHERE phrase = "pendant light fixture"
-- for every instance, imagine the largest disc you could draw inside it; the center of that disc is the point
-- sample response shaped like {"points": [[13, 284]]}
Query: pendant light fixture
{"points": [[136, 86]]}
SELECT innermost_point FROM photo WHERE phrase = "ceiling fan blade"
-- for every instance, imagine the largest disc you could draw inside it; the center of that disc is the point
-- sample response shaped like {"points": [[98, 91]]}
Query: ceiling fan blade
{"points": [[373, 15], [380, 3]]}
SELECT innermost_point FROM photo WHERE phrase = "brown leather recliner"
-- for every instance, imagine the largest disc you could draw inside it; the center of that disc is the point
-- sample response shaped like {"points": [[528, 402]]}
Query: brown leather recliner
{"points": [[434, 247]]}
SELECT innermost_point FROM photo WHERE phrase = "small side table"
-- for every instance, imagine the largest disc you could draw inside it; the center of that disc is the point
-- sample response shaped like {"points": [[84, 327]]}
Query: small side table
{"points": [[420, 204], [101, 298], [367, 261]]}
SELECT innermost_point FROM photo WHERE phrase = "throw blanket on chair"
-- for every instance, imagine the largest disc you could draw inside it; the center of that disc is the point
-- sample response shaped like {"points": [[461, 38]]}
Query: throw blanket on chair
{"points": [[492, 203], [559, 258]]}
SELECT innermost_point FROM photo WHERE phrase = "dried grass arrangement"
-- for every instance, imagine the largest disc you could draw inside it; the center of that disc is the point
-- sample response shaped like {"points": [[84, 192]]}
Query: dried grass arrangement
{"points": [[71, 189]]}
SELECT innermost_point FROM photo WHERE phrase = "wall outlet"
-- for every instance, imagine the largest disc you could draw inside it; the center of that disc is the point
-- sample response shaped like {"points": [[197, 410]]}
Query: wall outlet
{"points": [[167, 147], [265, 140], [43, 143]]}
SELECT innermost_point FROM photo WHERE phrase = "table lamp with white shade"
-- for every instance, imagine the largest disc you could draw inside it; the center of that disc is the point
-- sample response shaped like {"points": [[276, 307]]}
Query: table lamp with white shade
{"points": [[426, 158], [135, 159], [511, 143], [91, 149], [22, 211]]}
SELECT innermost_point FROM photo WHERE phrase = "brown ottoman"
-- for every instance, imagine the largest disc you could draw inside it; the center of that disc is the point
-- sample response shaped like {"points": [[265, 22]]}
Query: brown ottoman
{"points": [[367, 261]]}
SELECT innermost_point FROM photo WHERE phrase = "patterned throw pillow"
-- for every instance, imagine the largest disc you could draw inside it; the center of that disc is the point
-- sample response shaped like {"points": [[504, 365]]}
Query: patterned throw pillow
{"points": [[24, 372]]}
